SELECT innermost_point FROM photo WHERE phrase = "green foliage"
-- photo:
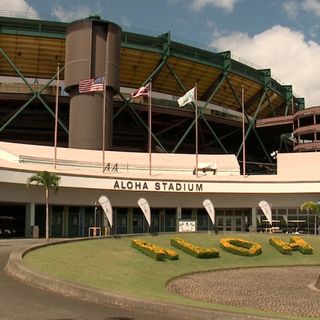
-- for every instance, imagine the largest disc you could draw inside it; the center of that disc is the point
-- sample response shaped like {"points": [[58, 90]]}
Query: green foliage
{"points": [[310, 206], [46, 179]]}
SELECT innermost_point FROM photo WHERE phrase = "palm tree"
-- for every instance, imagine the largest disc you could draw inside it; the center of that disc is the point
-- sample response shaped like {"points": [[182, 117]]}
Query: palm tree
{"points": [[48, 180], [313, 207]]}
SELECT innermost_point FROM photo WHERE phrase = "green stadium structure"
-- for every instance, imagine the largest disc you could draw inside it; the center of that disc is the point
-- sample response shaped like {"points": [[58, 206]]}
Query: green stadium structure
{"points": [[247, 134]]}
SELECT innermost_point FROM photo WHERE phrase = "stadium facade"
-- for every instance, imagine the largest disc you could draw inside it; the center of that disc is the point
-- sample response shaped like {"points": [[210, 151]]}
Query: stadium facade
{"points": [[253, 134]]}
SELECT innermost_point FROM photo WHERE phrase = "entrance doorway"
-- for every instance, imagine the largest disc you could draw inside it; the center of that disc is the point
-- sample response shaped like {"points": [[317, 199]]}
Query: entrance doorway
{"points": [[230, 223]]}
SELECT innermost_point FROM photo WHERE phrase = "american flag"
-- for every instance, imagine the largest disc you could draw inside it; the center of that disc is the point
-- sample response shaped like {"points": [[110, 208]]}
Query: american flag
{"points": [[143, 91], [91, 85]]}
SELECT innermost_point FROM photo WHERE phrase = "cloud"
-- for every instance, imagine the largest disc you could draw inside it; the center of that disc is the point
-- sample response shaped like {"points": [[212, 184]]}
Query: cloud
{"points": [[291, 8], [312, 5], [227, 5], [125, 21], [18, 8], [291, 58], [65, 14]]}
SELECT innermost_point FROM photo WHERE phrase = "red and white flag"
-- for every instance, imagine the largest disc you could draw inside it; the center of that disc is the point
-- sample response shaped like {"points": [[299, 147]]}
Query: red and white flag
{"points": [[91, 85], [143, 91]]}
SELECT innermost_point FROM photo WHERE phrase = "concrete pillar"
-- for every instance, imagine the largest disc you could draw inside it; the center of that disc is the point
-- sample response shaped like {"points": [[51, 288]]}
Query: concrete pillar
{"points": [[254, 219], [30, 218], [92, 52], [178, 213]]}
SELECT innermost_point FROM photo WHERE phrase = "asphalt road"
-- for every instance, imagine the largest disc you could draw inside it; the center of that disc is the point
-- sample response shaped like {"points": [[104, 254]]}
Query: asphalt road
{"points": [[19, 301]]}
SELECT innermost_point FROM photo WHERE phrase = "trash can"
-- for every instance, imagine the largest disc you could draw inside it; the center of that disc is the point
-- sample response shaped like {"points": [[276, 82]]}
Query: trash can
{"points": [[35, 232]]}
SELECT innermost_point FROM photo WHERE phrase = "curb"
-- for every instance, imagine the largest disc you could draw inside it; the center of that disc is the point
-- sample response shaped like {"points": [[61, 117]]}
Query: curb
{"points": [[18, 269]]}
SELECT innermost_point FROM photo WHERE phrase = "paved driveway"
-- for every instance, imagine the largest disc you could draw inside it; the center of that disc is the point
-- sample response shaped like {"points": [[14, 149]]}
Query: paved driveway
{"points": [[19, 301]]}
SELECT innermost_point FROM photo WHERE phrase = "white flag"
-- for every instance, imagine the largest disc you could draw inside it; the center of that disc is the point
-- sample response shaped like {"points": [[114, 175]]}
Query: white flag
{"points": [[187, 98], [285, 218], [210, 209], [265, 207], [107, 208], [144, 206]]}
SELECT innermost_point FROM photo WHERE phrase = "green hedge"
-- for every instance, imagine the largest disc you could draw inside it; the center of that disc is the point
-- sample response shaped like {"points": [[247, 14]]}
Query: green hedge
{"points": [[198, 252]]}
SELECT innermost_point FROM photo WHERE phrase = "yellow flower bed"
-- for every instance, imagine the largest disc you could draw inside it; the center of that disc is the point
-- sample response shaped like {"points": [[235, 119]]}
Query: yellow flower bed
{"points": [[301, 245], [296, 243], [241, 247], [153, 251], [281, 245], [198, 252]]}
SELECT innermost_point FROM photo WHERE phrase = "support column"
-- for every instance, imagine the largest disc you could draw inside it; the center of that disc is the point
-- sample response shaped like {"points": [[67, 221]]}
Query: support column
{"points": [[178, 213], [92, 52], [254, 220], [30, 219]]}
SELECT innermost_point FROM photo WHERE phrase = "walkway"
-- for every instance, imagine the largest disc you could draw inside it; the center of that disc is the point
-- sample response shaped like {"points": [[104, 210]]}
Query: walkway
{"points": [[283, 290]]}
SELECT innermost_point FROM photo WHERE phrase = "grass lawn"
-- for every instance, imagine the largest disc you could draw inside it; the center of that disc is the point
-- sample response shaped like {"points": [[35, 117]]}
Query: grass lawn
{"points": [[113, 265]]}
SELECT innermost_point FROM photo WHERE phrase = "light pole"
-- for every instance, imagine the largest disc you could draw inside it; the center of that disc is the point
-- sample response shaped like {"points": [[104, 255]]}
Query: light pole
{"points": [[95, 214]]}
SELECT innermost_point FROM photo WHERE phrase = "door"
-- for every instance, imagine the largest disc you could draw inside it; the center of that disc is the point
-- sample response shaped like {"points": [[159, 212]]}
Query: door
{"points": [[238, 224], [74, 222], [229, 223], [56, 224]]}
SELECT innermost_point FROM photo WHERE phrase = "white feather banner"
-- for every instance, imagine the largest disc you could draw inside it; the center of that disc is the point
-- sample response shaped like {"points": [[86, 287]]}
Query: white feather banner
{"points": [[144, 206], [107, 208]]}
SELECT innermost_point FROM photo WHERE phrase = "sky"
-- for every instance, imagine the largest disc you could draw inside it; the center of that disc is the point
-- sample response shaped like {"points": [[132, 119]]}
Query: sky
{"points": [[282, 35]]}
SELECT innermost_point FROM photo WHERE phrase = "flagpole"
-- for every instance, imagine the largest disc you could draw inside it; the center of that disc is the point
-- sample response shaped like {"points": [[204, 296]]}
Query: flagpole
{"points": [[56, 118], [104, 123], [243, 135], [150, 127], [196, 118]]}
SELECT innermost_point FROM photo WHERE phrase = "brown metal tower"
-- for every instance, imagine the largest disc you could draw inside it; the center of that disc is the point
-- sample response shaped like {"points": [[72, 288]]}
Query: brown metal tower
{"points": [[92, 51]]}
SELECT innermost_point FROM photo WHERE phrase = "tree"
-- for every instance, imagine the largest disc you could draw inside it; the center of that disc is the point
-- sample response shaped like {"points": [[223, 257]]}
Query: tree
{"points": [[48, 181], [313, 207]]}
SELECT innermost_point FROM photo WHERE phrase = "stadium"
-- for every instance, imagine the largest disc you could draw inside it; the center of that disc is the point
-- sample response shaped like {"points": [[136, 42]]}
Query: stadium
{"points": [[244, 138]]}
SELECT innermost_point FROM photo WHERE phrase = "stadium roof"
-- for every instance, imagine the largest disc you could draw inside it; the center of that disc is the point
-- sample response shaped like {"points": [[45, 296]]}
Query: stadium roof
{"points": [[35, 47]]}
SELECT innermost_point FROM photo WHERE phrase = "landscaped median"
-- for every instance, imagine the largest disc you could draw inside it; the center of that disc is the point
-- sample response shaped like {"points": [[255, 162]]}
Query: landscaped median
{"points": [[113, 266]]}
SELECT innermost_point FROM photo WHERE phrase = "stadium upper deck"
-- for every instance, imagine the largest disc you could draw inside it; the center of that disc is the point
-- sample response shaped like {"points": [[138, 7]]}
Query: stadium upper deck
{"points": [[31, 49]]}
